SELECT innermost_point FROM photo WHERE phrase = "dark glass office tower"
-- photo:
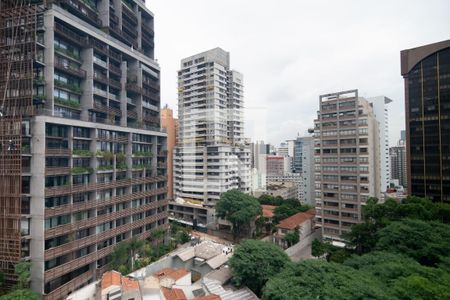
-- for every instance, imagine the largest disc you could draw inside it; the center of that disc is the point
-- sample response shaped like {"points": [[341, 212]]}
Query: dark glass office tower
{"points": [[426, 71]]}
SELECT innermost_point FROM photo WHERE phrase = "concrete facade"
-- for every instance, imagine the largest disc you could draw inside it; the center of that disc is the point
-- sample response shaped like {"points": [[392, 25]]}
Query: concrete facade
{"points": [[212, 155], [381, 111], [170, 124], [347, 161], [94, 153]]}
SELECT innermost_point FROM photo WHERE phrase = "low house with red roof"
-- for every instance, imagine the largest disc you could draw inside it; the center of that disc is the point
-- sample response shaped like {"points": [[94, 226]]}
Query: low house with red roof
{"points": [[301, 223]]}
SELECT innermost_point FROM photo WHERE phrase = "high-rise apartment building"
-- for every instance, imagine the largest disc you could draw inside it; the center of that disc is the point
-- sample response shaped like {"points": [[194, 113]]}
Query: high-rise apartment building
{"points": [[276, 165], [346, 161], [380, 109], [170, 124], [212, 156], [82, 156], [398, 164], [426, 71], [303, 163]]}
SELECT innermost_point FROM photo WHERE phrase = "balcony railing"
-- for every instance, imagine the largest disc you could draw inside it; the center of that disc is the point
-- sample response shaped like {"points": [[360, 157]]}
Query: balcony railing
{"points": [[129, 27], [150, 84], [100, 92], [114, 83], [148, 30], [70, 69], [133, 87], [70, 34], [114, 55], [130, 39], [101, 78], [82, 10], [114, 69], [132, 114], [98, 46], [147, 39], [57, 151], [128, 13]]}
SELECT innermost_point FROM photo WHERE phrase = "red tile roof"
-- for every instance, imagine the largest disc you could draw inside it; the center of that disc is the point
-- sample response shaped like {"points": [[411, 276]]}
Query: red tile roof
{"points": [[268, 210], [173, 294], [172, 273], [129, 283], [111, 278], [293, 221]]}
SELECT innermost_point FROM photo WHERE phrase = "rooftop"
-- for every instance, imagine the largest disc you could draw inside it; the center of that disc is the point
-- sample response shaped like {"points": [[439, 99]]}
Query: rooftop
{"points": [[268, 210], [175, 274], [293, 221]]}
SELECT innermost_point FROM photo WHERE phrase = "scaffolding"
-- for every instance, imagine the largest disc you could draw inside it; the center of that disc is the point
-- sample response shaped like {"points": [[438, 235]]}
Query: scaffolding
{"points": [[18, 25]]}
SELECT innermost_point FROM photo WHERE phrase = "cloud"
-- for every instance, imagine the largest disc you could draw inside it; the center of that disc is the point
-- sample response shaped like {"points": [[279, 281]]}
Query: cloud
{"points": [[291, 52]]}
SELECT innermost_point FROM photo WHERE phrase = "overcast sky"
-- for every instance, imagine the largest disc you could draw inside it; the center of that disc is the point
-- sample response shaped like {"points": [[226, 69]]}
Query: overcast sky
{"points": [[290, 52]]}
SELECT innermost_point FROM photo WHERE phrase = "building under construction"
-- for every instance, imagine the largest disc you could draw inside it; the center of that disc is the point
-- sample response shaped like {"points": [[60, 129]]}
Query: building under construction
{"points": [[82, 156]]}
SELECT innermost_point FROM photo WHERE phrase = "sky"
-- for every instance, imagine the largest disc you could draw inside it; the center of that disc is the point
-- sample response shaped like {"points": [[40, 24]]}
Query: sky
{"points": [[290, 52]]}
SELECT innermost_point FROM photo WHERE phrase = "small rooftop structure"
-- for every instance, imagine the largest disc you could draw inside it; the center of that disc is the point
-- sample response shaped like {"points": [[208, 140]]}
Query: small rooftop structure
{"points": [[116, 286], [292, 222]]}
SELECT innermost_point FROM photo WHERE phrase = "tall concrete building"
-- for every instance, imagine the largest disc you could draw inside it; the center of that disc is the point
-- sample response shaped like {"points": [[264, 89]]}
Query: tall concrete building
{"points": [[380, 109], [303, 163], [398, 164], [170, 124], [85, 163], [212, 156], [426, 71], [347, 170]]}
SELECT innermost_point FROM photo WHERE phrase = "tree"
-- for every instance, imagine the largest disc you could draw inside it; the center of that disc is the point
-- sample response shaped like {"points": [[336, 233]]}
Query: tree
{"points": [[134, 246], [21, 294], [156, 236], [123, 257], [22, 270], [292, 237], [21, 290], [318, 279], [426, 242], [402, 276], [238, 208], [254, 262], [182, 237], [318, 248]]}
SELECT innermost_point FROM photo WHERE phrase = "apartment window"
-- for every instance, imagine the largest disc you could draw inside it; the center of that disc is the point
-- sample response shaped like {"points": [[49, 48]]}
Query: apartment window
{"points": [[56, 130], [56, 201], [57, 221]]}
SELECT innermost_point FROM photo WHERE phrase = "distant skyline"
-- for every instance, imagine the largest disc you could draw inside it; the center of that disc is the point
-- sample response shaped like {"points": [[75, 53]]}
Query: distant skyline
{"points": [[291, 52]]}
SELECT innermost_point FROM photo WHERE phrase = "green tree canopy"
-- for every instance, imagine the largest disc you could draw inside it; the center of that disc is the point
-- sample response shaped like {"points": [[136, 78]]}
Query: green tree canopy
{"points": [[238, 208], [426, 242], [318, 279], [21, 294], [254, 262], [402, 276]]}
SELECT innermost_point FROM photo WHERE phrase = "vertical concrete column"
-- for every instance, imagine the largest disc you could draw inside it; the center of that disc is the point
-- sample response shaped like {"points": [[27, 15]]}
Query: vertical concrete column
{"points": [[139, 29], [155, 155], [49, 59], [123, 94], [118, 9], [139, 99], [93, 149], [103, 12], [37, 203], [87, 85]]}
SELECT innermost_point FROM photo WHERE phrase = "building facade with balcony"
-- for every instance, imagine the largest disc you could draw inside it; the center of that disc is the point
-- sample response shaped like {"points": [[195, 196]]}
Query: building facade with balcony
{"points": [[347, 161], [93, 155], [426, 72], [212, 156]]}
